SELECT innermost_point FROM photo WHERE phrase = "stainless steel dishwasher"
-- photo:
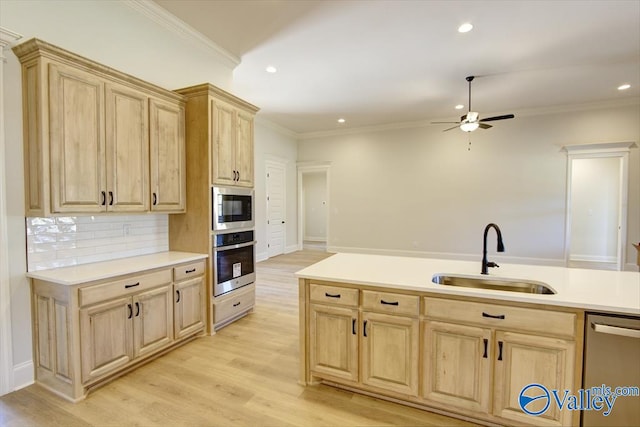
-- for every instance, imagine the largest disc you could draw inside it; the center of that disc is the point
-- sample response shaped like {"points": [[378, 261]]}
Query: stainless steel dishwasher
{"points": [[612, 359]]}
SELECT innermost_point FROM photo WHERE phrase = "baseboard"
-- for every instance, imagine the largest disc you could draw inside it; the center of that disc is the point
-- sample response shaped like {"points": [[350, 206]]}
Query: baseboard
{"points": [[291, 248], [23, 375], [447, 255], [314, 239], [594, 258], [261, 256]]}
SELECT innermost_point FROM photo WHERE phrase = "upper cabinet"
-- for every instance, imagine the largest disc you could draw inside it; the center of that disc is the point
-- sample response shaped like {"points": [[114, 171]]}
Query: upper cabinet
{"points": [[230, 133], [97, 140]]}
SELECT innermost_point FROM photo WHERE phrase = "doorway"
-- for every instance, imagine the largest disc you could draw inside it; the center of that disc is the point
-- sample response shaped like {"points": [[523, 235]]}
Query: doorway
{"points": [[313, 207], [596, 223]]}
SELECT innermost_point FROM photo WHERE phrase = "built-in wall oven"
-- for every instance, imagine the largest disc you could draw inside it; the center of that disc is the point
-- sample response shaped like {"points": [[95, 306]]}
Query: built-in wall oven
{"points": [[234, 260], [232, 208]]}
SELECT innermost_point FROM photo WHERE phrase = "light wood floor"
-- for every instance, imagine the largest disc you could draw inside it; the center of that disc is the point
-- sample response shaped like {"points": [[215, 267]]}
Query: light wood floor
{"points": [[245, 375]]}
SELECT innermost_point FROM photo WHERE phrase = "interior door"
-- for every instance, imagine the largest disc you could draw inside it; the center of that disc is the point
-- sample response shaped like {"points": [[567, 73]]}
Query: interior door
{"points": [[276, 208]]}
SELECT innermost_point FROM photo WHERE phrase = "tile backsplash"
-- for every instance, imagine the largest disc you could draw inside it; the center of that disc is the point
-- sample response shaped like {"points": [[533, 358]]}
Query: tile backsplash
{"points": [[64, 241]]}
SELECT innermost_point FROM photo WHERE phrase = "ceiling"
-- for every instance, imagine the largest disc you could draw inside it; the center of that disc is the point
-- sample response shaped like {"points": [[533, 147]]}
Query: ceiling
{"points": [[376, 63]]}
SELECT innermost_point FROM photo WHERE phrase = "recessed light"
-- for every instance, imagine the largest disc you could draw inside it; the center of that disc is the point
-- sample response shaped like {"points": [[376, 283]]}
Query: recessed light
{"points": [[271, 69], [465, 28], [341, 120], [624, 86], [459, 107]]}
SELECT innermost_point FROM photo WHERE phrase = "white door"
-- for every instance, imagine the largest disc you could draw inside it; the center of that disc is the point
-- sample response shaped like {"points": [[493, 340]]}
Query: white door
{"points": [[276, 208]]}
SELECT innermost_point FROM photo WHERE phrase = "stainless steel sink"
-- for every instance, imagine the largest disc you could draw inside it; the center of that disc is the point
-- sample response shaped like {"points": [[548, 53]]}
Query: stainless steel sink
{"points": [[498, 284]]}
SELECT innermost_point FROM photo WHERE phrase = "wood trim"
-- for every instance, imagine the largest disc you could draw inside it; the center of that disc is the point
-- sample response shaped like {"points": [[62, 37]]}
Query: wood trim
{"points": [[219, 94]]}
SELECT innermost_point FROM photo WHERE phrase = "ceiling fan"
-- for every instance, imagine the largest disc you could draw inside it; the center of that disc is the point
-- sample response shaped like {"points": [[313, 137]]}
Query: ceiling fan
{"points": [[472, 121]]}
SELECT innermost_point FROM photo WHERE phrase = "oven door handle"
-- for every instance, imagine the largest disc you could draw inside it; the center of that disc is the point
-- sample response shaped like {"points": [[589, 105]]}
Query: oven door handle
{"points": [[238, 246]]}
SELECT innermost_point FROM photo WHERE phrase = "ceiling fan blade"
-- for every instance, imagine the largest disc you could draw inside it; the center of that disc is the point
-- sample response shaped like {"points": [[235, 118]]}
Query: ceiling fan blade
{"points": [[492, 119], [439, 123], [484, 126], [455, 127]]}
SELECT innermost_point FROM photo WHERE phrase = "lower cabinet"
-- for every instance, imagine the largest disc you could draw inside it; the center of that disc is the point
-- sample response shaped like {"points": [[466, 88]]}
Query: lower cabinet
{"points": [[89, 333], [233, 305], [464, 357]]}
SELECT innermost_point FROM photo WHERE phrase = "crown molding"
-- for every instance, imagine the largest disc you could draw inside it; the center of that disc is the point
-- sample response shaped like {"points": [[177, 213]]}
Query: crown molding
{"points": [[555, 109], [276, 127], [161, 16], [7, 38]]}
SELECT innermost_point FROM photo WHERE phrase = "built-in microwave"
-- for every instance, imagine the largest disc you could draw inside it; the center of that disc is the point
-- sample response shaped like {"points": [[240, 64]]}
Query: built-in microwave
{"points": [[232, 208]]}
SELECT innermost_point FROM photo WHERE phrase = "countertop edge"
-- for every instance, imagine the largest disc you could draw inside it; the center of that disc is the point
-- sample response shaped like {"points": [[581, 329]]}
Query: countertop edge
{"points": [[110, 269]]}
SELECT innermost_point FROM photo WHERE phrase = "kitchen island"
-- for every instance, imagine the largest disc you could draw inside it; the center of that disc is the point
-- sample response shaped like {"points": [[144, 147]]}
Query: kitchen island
{"points": [[379, 325]]}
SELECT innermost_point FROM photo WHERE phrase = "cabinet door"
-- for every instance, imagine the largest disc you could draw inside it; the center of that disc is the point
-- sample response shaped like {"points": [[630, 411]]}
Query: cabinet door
{"points": [[223, 162], [76, 129], [167, 158], [105, 337], [457, 365], [521, 360], [189, 306], [244, 149], [127, 149], [152, 320], [333, 346], [390, 352]]}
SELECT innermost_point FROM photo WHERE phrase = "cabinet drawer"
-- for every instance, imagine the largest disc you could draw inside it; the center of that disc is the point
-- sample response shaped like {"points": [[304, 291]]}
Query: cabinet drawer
{"points": [[334, 295], [387, 302], [233, 303], [500, 316], [188, 270], [118, 288]]}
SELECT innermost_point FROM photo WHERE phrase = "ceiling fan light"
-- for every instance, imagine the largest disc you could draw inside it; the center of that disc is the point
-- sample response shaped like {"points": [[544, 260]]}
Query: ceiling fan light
{"points": [[469, 127]]}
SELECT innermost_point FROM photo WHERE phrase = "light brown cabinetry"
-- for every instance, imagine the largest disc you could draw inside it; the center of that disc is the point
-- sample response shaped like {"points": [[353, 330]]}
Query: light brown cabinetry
{"points": [[87, 137], [470, 358], [89, 333], [477, 353], [216, 123]]}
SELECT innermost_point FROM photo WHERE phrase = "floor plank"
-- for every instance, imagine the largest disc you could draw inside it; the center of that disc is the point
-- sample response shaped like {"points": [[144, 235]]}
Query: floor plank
{"points": [[245, 375]]}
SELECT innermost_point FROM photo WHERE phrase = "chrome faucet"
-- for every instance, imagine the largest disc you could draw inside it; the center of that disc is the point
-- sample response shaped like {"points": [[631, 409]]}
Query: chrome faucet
{"points": [[486, 264]]}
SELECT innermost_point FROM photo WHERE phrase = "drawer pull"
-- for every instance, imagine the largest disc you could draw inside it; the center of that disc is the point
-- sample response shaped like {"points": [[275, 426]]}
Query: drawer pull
{"points": [[486, 343], [328, 295], [499, 316], [132, 286], [364, 328], [499, 350], [389, 303], [236, 304], [189, 271]]}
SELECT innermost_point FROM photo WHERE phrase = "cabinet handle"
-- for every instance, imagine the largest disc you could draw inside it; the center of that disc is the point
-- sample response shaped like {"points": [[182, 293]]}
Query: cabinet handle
{"points": [[132, 286], [353, 326], [493, 316], [486, 343], [364, 328], [328, 295], [104, 198], [189, 271], [178, 293], [137, 309], [110, 198], [499, 350], [236, 304], [130, 311], [238, 177], [155, 199], [388, 303]]}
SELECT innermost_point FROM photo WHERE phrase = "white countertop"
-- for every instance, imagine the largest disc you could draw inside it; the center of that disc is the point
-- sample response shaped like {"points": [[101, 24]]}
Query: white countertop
{"points": [[84, 273], [610, 291]]}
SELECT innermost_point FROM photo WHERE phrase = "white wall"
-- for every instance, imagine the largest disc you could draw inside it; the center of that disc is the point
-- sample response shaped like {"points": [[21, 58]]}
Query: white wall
{"points": [[274, 143], [314, 190], [418, 190], [116, 35]]}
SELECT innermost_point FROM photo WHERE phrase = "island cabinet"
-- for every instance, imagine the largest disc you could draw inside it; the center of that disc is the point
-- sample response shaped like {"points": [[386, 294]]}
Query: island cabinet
{"points": [[466, 357], [89, 333], [97, 140]]}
